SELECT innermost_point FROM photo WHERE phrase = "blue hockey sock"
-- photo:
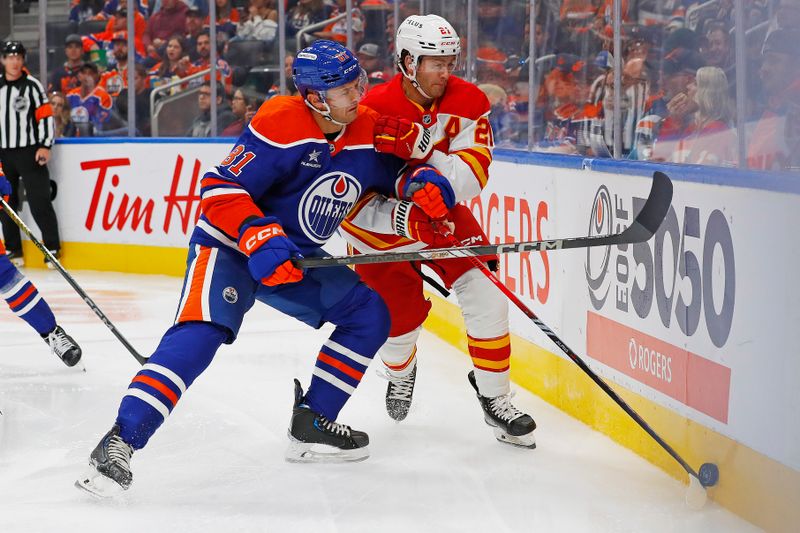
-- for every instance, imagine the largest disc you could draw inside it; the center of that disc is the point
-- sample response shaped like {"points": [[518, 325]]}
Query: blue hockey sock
{"points": [[184, 352], [23, 299], [362, 322]]}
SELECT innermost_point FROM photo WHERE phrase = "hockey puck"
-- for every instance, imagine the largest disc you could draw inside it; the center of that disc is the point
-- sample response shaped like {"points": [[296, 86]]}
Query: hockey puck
{"points": [[709, 474]]}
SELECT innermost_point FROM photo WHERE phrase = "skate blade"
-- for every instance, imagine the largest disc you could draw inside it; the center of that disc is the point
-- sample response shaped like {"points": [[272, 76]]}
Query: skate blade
{"points": [[98, 485], [521, 441], [305, 452]]}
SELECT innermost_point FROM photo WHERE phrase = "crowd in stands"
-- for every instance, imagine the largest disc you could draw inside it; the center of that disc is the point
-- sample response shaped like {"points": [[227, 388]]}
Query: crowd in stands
{"points": [[678, 102]]}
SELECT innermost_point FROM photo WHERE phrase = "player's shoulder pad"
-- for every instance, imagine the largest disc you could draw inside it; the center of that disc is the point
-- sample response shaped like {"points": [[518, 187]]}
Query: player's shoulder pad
{"points": [[464, 99], [285, 120]]}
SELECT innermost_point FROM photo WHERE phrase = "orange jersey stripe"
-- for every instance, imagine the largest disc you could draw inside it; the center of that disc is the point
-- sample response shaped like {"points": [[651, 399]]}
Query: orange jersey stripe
{"points": [[43, 111], [14, 303], [193, 309], [335, 363], [160, 387], [229, 212], [209, 181]]}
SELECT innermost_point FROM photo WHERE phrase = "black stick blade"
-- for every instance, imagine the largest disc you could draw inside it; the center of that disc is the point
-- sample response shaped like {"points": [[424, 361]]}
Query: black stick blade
{"points": [[654, 210]]}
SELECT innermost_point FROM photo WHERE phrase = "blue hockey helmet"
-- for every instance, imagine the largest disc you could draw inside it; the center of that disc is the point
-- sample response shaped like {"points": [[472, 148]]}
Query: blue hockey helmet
{"points": [[322, 66]]}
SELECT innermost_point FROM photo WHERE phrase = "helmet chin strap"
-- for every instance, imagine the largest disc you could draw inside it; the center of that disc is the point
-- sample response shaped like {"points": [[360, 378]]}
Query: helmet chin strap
{"points": [[326, 114], [415, 83]]}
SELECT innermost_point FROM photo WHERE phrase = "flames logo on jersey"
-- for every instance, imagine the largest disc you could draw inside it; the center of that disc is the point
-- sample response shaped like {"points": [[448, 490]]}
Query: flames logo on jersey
{"points": [[325, 204]]}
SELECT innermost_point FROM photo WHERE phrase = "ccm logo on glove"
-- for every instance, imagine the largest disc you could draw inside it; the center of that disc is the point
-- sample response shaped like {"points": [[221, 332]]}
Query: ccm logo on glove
{"points": [[271, 252], [257, 238]]}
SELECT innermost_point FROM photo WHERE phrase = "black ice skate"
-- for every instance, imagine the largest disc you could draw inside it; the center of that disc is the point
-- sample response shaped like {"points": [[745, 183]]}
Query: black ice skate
{"points": [[63, 346], [315, 439], [510, 425], [398, 394], [111, 467]]}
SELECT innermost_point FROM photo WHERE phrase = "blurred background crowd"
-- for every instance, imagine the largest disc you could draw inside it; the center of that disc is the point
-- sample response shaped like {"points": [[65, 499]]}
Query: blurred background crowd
{"points": [[712, 82]]}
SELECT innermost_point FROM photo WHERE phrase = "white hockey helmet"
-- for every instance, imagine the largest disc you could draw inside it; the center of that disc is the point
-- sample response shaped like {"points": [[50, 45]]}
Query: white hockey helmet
{"points": [[424, 35]]}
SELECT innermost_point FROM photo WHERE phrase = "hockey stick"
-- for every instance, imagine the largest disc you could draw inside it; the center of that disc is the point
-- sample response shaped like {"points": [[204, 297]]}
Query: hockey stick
{"points": [[641, 229], [708, 476], [42, 248]]}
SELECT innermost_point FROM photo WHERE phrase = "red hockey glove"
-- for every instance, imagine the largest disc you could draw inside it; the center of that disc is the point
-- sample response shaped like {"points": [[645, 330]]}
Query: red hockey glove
{"points": [[411, 222], [403, 138], [430, 190], [270, 252]]}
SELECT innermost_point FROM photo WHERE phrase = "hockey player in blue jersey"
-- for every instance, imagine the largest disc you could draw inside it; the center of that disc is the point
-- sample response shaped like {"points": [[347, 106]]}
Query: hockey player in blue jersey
{"points": [[25, 301], [283, 190]]}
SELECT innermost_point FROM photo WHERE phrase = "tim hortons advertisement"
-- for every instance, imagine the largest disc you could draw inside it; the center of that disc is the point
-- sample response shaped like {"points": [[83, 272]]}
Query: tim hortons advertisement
{"points": [[702, 318], [145, 194]]}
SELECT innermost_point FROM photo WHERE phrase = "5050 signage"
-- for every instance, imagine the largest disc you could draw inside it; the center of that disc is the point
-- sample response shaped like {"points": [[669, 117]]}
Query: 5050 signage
{"points": [[682, 277]]}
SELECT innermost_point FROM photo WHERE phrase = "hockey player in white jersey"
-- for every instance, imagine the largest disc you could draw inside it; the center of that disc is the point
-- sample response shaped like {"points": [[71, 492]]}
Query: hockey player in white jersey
{"points": [[430, 116]]}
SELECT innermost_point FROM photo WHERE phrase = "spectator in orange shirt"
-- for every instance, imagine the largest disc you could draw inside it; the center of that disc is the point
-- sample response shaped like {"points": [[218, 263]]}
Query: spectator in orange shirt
{"points": [[224, 72], [118, 23], [115, 78]]}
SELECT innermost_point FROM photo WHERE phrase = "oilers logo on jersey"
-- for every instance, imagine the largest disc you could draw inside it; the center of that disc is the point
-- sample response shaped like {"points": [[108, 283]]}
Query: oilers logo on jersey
{"points": [[325, 204]]}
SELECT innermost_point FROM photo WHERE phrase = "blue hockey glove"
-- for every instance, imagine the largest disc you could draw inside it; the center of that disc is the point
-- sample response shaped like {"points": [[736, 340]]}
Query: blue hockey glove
{"points": [[430, 190], [5, 187], [270, 251]]}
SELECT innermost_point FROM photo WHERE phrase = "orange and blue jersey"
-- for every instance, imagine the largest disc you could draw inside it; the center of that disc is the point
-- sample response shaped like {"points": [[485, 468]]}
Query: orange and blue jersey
{"points": [[94, 108], [283, 166]]}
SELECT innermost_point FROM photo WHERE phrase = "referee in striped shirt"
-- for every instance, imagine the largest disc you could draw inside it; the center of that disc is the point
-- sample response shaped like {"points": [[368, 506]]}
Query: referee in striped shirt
{"points": [[26, 136]]}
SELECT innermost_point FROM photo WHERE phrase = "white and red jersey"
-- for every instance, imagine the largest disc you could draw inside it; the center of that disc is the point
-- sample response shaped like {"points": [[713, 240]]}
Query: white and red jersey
{"points": [[463, 144]]}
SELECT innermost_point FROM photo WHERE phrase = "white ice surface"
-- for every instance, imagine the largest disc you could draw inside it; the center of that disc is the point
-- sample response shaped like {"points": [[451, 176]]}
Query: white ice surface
{"points": [[217, 464]]}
